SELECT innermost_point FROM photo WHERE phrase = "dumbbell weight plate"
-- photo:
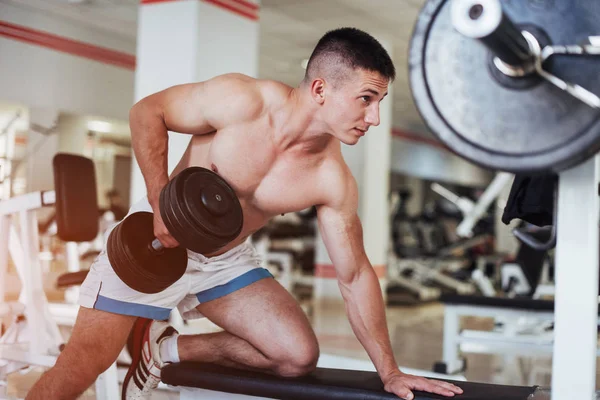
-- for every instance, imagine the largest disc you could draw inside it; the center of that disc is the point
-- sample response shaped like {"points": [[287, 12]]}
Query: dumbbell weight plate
{"points": [[201, 210], [511, 124], [219, 206], [136, 265], [179, 221]]}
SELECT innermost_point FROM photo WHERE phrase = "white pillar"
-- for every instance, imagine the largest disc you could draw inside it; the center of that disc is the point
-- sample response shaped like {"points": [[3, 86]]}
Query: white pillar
{"points": [[369, 161], [576, 277], [185, 41]]}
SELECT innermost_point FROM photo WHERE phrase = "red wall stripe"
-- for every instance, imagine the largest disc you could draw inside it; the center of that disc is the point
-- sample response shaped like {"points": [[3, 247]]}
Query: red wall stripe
{"points": [[248, 4], [250, 14], [244, 8], [69, 46], [328, 271], [416, 138]]}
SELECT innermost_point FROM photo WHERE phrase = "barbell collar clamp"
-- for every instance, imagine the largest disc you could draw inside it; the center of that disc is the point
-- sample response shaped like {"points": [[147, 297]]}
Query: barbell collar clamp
{"points": [[484, 20]]}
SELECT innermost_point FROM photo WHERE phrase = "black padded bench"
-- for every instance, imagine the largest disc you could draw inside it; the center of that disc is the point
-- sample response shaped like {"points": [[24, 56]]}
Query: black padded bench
{"points": [[323, 384], [71, 279], [501, 302]]}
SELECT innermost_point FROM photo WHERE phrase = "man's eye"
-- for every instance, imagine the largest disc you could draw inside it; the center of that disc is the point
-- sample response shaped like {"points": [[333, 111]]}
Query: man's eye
{"points": [[366, 99]]}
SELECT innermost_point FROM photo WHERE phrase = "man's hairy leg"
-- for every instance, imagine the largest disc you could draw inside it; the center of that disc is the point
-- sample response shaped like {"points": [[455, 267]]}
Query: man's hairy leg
{"points": [[265, 330], [224, 349], [97, 339]]}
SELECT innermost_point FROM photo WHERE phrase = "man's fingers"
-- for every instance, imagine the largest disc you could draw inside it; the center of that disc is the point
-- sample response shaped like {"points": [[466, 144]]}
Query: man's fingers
{"points": [[449, 386], [444, 385], [433, 386], [405, 394], [167, 240]]}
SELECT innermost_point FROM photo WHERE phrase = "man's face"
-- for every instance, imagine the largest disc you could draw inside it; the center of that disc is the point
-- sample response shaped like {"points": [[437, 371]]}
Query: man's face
{"points": [[353, 106]]}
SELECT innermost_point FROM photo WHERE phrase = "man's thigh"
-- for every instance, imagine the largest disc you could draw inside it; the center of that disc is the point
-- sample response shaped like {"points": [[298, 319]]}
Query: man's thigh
{"points": [[97, 339], [265, 315]]}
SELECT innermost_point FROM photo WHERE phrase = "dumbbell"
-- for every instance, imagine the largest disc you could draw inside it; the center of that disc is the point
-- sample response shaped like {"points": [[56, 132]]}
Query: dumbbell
{"points": [[199, 209]]}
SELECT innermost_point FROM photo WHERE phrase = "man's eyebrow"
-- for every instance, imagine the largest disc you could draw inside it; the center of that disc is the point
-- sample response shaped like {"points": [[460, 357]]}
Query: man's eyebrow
{"points": [[375, 92]]}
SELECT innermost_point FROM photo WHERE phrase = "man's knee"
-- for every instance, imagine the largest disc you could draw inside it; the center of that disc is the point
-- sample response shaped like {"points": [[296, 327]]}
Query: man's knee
{"points": [[299, 360]]}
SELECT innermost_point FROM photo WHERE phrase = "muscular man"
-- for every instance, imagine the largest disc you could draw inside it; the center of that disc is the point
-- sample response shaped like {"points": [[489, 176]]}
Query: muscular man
{"points": [[280, 149]]}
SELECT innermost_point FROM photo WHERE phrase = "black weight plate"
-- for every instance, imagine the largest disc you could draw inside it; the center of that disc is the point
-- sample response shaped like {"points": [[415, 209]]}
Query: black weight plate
{"points": [[172, 210], [226, 225], [534, 129], [188, 219], [139, 267], [182, 223]]}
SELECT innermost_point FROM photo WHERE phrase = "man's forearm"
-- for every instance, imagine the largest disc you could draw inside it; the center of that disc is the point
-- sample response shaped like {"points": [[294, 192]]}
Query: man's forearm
{"points": [[366, 312], [150, 139]]}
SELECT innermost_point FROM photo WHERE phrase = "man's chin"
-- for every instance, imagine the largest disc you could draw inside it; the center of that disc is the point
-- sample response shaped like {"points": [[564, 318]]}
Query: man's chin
{"points": [[351, 141]]}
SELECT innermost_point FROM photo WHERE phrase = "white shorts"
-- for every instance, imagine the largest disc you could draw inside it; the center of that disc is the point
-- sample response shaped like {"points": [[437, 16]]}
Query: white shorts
{"points": [[205, 279]]}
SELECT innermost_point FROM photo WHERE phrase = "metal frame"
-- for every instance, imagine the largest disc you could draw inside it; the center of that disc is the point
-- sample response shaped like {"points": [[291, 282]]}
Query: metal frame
{"points": [[576, 296], [523, 333], [576, 272], [35, 340], [425, 270]]}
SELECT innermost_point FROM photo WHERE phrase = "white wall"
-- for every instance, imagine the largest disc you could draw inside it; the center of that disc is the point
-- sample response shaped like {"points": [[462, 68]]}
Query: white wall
{"points": [[46, 78], [41, 149]]}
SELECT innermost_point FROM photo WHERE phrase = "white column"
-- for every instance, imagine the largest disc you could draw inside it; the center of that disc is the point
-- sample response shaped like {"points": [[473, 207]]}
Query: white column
{"points": [[369, 161], [576, 276], [185, 41]]}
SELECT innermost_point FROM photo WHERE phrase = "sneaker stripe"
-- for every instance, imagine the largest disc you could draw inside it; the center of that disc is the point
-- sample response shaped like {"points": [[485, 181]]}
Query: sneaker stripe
{"points": [[146, 352], [137, 382], [143, 377], [145, 369]]}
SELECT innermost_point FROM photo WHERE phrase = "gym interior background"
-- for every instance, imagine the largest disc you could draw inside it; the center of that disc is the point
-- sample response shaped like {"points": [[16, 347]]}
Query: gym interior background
{"points": [[68, 78]]}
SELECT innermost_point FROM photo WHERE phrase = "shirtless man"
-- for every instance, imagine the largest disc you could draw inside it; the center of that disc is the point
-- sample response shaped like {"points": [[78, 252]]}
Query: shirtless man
{"points": [[280, 149]]}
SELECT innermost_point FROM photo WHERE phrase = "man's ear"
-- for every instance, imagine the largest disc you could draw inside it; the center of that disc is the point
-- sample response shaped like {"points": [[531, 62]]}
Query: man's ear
{"points": [[317, 90]]}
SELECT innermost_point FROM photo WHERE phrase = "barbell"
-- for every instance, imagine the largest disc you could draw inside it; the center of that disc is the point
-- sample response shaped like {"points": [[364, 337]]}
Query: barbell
{"points": [[510, 85]]}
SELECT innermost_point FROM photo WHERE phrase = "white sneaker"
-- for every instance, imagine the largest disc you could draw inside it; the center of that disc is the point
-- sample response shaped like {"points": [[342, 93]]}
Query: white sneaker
{"points": [[143, 375]]}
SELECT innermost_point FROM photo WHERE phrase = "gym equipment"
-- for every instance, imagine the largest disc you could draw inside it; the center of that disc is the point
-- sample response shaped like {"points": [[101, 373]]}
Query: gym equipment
{"points": [[200, 210], [323, 384], [474, 212], [523, 326], [406, 241], [34, 337], [538, 122], [501, 93]]}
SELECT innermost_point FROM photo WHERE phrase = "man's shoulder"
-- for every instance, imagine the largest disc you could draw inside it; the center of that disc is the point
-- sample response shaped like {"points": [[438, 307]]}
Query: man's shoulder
{"points": [[337, 183], [237, 96], [256, 93], [261, 85]]}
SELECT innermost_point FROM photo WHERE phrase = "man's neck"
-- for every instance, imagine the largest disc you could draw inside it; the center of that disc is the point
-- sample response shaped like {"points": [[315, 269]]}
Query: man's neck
{"points": [[298, 127]]}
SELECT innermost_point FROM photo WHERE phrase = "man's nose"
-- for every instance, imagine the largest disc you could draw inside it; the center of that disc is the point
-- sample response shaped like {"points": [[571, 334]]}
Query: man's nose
{"points": [[372, 117]]}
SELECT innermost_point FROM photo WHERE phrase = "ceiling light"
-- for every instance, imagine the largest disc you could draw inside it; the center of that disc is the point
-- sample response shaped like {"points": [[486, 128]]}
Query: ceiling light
{"points": [[99, 126]]}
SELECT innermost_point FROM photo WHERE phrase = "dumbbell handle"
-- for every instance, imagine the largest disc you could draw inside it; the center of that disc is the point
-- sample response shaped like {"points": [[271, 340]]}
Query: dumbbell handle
{"points": [[157, 246], [484, 20]]}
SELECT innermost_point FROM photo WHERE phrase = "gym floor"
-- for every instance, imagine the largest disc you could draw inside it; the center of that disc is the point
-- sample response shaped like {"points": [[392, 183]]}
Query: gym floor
{"points": [[416, 333]]}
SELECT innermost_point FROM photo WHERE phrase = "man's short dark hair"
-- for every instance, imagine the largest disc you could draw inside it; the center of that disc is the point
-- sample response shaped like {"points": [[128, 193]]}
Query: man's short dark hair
{"points": [[350, 48]]}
